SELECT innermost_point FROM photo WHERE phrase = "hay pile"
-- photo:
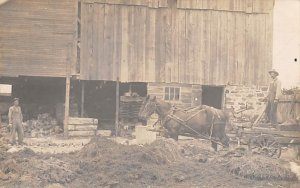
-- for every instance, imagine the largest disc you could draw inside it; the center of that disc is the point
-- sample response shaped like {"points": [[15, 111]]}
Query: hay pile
{"points": [[163, 151], [258, 167]]}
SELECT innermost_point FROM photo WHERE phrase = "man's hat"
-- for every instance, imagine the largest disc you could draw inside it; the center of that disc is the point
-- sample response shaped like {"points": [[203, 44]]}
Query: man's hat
{"points": [[16, 99], [273, 70]]}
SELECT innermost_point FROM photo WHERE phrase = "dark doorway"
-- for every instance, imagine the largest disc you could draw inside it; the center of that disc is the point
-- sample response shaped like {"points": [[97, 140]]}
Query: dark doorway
{"points": [[100, 99], [212, 96]]}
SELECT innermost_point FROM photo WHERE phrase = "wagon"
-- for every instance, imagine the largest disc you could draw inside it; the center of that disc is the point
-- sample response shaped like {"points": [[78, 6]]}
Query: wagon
{"points": [[266, 141]]}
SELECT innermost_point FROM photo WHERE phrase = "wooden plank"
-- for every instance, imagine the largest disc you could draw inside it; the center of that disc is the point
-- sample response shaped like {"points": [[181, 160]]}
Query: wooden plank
{"points": [[188, 69], [181, 45], [117, 44], [290, 134], [239, 47], [107, 63], [150, 45], [81, 133], [239, 5], [248, 68], [82, 127], [223, 47], [131, 42], [163, 3], [143, 42], [162, 43], [231, 63], [82, 121], [140, 42], [265, 6], [206, 46], [153, 3], [100, 16], [213, 47], [136, 38], [249, 6], [120, 2], [175, 44], [124, 45], [169, 46], [93, 67], [198, 43], [205, 4], [158, 46], [83, 43], [213, 4], [223, 4]]}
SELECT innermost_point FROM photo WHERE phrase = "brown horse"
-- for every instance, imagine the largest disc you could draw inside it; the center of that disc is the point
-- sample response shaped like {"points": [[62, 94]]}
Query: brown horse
{"points": [[203, 121]]}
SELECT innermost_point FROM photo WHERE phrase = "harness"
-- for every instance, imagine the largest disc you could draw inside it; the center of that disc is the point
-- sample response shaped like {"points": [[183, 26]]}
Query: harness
{"points": [[171, 116]]}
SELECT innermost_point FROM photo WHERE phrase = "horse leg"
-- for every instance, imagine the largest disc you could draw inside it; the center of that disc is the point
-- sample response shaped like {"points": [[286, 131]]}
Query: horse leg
{"points": [[225, 141], [214, 145]]}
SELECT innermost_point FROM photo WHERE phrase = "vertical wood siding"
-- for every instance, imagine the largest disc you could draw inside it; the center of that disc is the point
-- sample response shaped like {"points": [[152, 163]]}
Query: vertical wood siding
{"points": [[196, 42], [37, 37]]}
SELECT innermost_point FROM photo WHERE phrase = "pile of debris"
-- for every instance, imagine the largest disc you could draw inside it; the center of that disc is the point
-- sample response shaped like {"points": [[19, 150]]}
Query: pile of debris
{"points": [[3, 143], [257, 167], [44, 125]]}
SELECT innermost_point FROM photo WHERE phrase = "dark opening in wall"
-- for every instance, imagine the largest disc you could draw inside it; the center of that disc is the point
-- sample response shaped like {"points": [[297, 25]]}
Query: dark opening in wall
{"points": [[212, 96], [38, 95], [100, 99]]}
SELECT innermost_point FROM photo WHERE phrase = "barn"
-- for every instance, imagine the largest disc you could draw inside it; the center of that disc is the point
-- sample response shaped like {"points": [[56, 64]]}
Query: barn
{"points": [[187, 52], [92, 52]]}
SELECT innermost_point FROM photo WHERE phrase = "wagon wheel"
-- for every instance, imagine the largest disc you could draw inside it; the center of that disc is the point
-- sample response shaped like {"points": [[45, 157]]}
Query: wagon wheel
{"points": [[265, 145]]}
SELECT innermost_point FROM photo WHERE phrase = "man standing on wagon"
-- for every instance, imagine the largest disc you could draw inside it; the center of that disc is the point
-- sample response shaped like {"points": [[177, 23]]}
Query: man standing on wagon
{"points": [[274, 93]]}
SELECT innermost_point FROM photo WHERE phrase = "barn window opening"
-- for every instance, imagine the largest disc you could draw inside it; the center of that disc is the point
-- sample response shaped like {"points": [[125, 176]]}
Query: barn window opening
{"points": [[172, 93]]}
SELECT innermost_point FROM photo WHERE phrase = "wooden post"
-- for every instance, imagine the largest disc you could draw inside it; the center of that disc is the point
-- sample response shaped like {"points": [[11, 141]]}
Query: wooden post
{"points": [[67, 107], [117, 106], [67, 99], [82, 98]]}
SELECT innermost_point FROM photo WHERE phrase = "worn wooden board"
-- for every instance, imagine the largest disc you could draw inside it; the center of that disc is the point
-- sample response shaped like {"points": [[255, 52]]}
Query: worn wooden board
{"points": [[37, 36], [249, 6], [290, 134], [82, 127], [81, 133], [82, 121]]}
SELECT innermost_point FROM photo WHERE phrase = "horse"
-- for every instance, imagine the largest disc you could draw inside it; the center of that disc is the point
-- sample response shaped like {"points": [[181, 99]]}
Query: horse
{"points": [[203, 121]]}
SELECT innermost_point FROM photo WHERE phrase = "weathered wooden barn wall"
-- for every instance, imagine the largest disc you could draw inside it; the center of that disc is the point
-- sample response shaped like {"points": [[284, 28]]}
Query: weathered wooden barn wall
{"points": [[37, 37], [185, 41]]}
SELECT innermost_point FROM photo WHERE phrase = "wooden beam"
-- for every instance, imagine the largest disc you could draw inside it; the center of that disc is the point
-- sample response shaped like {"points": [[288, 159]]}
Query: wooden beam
{"points": [[82, 99], [67, 106], [67, 98], [117, 106]]}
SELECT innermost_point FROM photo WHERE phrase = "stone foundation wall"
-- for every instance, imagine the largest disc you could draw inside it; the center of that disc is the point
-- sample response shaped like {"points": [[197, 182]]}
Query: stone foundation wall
{"points": [[239, 96]]}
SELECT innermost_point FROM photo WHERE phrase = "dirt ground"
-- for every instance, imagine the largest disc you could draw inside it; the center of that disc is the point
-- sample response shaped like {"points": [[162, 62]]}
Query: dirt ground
{"points": [[165, 163]]}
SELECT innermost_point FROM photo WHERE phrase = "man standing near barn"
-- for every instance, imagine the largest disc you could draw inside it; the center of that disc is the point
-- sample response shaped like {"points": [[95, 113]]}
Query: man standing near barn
{"points": [[274, 93], [15, 118]]}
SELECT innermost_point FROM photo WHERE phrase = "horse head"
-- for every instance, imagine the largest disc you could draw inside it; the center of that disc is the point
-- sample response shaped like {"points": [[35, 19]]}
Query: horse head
{"points": [[148, 107]]}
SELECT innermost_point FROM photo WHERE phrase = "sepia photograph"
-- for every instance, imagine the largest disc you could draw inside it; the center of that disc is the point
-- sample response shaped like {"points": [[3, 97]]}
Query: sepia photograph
{"points": [[149, 93]]}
